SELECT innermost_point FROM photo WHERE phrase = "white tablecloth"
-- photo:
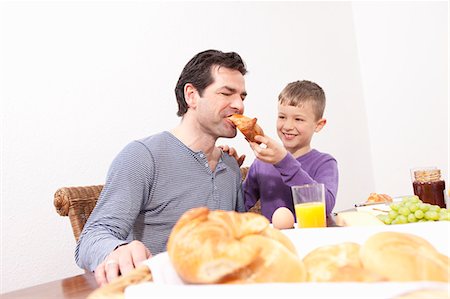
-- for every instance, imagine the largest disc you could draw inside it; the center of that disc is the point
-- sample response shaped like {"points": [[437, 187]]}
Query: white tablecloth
{"points": [[168, 285]]}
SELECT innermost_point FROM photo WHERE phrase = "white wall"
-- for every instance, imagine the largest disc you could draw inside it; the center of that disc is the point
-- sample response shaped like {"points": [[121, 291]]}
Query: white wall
{"points": [[403, 50], [80, 80]]}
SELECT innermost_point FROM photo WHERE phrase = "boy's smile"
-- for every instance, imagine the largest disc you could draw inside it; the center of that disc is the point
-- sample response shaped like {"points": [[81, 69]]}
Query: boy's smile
{"points": [[288, 136]]}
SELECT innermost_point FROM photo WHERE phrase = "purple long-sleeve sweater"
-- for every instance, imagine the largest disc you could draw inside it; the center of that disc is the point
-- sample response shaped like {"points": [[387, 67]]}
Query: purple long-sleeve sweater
{"points": [[272, 183]]}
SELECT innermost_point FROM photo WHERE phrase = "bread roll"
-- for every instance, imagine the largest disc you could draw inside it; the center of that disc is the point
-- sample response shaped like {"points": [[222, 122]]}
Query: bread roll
{"points": [[323, 262], [404, 257], [376, 197], [247, 126], [229, 247]]}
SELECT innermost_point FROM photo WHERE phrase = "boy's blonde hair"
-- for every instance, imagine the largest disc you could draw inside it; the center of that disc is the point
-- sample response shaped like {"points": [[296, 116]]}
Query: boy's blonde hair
{"points": [[300, 92]]}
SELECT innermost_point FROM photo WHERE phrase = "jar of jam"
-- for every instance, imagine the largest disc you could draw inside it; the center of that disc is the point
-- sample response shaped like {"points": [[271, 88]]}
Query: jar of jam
{"points": [[428, 186]]}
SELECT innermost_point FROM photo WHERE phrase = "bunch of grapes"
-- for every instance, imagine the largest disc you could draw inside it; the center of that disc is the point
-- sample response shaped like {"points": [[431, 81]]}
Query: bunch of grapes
{"points": [[412, 209]]}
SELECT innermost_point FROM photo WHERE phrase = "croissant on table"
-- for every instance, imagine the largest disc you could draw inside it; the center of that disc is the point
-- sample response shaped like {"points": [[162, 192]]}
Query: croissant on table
{"points": [[247, 126], [230, 247]]}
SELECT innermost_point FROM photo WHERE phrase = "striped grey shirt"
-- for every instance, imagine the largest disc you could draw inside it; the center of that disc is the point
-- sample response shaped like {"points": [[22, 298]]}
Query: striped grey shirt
{"points": [[150, 184]]}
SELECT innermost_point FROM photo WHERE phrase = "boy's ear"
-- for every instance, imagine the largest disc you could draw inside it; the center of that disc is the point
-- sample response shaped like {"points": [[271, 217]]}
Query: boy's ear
{"points": [[320, 124], [190, 95]]}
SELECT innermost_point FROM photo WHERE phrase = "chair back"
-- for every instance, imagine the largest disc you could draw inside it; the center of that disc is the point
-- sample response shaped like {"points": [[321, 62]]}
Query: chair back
{"points": [[78, 203]]}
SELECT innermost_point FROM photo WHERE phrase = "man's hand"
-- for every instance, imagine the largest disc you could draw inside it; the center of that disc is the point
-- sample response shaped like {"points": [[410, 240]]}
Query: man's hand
{"points": [[232, 152], [270, 152], [121, 261]]}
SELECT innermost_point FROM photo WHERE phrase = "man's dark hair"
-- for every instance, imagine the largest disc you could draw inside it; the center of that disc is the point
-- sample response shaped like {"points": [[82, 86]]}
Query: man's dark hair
{"points": [[198, 72]]}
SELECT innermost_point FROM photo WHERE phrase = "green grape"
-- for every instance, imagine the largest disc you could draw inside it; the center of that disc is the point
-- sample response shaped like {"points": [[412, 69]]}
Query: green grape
{"points": [[401, 219], [442, 217], [419, 214], [431, 215], [435, 208], [413, 207], [407, 205], [404, 211], [415, 199], [412, 218], [392, 215], [424, 206], [394, 206]]}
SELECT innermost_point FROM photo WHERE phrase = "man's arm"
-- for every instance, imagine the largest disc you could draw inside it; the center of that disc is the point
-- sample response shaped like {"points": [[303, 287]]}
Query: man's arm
{"points": [[125, 192]]}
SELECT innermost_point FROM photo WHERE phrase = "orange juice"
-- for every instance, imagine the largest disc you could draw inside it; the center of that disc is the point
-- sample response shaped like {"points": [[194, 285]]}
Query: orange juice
{"points": [[310, 214]]}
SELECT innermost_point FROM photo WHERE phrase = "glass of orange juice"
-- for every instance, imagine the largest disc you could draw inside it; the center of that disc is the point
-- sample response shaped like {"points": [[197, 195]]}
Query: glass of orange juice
{"points": [[309, 204]]}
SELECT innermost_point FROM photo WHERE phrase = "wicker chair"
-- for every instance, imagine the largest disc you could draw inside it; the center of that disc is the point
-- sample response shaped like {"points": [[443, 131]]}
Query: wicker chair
{"points": [[78, 203]]}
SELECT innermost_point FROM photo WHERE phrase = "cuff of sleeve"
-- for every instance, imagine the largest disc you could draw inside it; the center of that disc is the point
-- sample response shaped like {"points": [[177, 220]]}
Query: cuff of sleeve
{"points": [[286, 162], [107, 247]]}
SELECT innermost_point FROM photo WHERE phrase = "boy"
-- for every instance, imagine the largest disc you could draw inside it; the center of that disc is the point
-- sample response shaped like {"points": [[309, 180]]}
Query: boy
{"points": [[300, 114]]}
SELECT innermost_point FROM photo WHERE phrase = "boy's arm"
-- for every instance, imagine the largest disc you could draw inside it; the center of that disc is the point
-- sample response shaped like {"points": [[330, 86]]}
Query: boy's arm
{"points": [[250, 188], [291, 170], [326, 172]]}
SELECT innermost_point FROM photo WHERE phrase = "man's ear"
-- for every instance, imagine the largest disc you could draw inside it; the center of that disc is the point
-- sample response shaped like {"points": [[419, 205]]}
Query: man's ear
{"points": [[320, 124], [190, 95]]}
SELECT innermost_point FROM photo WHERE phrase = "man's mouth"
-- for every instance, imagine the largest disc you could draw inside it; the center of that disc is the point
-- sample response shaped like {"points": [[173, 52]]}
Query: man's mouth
{"points": [[230, 122]]}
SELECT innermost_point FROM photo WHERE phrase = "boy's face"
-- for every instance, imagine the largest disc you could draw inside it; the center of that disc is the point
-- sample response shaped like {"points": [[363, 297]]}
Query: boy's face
{"points": [[296, 126]]}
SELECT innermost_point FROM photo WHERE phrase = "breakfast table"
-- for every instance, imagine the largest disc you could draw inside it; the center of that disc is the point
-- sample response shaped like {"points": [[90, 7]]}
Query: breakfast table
{"points": [[75, 287], [305, 240]]}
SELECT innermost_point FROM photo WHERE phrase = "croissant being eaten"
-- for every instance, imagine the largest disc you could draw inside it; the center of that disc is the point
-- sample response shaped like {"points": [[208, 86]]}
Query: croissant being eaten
{"points": [[229, 247], [247, 126]]}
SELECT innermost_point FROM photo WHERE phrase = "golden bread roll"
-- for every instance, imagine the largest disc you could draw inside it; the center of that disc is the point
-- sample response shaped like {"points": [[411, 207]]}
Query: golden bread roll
{"points": [[229, 247], [323, 262], [247, 126], [404, 257], [116, 288], [376, 197]]}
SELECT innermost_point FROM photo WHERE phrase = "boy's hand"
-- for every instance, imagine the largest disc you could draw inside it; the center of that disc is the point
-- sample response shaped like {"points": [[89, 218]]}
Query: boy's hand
{"points": [[272, 153], [232, 152]]}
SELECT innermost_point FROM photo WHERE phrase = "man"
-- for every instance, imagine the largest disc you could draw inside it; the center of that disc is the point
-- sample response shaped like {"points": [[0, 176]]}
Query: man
{"points": [[153, 181]]}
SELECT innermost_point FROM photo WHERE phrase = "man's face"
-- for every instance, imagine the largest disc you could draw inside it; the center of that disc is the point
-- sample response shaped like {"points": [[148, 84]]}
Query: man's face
{"points": [[296, 126], [221, 99]]}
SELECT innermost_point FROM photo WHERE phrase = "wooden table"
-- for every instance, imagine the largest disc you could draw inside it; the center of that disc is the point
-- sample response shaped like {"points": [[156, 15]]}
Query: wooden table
{"points": [[76, 287]]}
